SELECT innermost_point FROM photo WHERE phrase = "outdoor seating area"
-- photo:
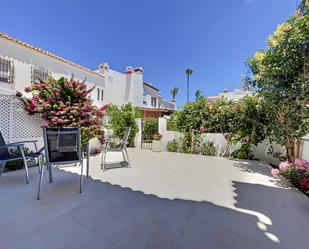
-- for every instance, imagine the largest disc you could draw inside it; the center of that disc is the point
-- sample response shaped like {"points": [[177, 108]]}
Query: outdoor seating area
{"points": [[154, 204], [193, 135]]}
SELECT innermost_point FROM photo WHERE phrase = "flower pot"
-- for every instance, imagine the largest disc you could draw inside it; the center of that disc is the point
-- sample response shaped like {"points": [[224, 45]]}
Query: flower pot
{"points": [[156, 146]]}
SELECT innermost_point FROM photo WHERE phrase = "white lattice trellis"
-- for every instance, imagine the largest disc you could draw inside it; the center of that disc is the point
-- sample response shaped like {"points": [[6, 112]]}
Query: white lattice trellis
{"points": [[15, 123]]}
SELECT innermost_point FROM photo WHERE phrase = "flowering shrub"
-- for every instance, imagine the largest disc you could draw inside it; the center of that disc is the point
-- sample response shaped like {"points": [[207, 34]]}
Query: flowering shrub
{"points": [[157, 136], [297, 173], [65, 103]]}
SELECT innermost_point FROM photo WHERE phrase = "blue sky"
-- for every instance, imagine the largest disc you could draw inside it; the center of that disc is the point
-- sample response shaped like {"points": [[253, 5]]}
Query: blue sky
{"points": [[163, 36]]}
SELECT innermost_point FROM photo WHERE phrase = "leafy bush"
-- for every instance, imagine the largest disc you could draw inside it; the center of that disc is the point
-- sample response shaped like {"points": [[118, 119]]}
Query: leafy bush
{"points": [[172, 146], [185, 143], [297, 173], [65, 103], [279, 75], [150, 127], [122, 117], [171, 123], [208, 149], [157, 136]]}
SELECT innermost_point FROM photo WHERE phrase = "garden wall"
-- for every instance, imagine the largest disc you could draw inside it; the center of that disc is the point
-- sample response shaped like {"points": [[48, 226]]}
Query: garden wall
{"points": [[220, 143]]}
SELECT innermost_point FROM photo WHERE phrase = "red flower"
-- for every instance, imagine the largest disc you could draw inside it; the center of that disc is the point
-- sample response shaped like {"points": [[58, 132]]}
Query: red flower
{"points": [[18, 94], [238, 108], [304, 182]]}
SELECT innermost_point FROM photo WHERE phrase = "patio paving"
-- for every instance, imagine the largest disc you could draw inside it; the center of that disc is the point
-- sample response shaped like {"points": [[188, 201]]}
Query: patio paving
{"points": [[165, 200]]}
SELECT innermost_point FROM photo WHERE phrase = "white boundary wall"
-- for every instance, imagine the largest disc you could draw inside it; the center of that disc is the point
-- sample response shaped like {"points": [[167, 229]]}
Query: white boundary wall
{"points": [[220, 143]]}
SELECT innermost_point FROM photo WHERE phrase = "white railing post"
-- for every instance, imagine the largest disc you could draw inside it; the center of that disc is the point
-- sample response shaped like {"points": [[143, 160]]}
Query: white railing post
{"points": [[138, 137]]}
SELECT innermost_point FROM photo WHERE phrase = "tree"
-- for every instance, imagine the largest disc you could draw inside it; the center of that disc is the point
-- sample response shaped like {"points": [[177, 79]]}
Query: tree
{"points": [[174, 91], [280, 76], [198, 95], [122, 117], [65, 103], [189, 72]]}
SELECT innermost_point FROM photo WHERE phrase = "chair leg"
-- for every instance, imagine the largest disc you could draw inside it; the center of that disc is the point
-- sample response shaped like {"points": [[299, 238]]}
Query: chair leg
{"points": [[2, 166], [102, 158], [21, 149], [50, 173], [40, 182], [81, 176], [124, 158], [127, 154]]}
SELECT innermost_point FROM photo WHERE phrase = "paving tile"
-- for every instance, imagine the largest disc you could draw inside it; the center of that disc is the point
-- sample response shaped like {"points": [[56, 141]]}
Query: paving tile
{"points": [[199, 235], [62, 234]]}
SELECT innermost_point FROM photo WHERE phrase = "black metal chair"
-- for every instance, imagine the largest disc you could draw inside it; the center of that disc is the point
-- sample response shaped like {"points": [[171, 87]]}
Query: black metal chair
{"points": [[62, 146], [121, 146], [6, 156]]}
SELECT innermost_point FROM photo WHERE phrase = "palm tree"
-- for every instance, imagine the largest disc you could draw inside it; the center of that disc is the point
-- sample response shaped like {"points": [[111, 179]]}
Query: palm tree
{"points": [[174, 91], [189, 72], [198, 95]]}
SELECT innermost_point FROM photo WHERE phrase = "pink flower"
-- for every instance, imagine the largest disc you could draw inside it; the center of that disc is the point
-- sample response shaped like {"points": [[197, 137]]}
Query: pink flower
{"points": [[301, 164], [304, 182], [38, 87], [275, 172], [60, 121], [283, 166], [45, 125]]}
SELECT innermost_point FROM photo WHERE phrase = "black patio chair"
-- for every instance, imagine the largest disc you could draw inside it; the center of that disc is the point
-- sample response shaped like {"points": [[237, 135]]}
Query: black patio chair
{"points": [[116, 145], [6, 156], [62, 146]]}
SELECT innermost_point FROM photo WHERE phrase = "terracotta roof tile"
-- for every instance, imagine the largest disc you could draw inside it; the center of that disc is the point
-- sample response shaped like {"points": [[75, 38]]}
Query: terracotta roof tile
{"points": [[42, 51]]}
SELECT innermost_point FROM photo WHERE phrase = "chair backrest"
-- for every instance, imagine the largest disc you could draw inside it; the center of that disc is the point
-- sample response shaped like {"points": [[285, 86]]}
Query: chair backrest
{"points": [[62, 145], [3, 151], [126, 135]]}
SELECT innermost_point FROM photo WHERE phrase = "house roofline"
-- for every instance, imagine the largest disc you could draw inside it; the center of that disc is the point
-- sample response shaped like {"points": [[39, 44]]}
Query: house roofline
{"points": [[151, 86], [49, 54]]}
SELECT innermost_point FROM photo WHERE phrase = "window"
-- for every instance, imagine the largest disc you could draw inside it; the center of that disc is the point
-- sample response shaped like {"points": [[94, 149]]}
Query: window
{"points": [[98, 93], [6, 71], [153, 101], [102, 94], [145, 102], [38, 74]]}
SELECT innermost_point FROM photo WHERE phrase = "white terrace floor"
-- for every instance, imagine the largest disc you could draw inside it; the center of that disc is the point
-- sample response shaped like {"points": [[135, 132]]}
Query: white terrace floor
{"points": [[164, 200]]}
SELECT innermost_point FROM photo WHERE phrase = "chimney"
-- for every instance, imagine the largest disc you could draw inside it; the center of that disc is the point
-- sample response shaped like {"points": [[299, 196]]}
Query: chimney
{"points": [[138, 70], [129, 70], [103, 67]]}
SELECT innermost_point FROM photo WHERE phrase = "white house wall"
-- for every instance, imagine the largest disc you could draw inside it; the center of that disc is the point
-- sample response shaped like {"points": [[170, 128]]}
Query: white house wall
{"points": [[118, 88]]}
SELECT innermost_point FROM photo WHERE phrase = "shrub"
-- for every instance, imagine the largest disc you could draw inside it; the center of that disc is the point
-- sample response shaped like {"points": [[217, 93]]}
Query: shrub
{"points": [[244, 152], [208, 149], [65, 103], [157, 136], [172, 146], [150, 127], [122, 117], [185, 143], [297, 173]]}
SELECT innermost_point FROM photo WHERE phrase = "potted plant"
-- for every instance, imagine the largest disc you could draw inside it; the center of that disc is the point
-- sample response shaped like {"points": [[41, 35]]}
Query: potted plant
{"points": [[156, 143]]}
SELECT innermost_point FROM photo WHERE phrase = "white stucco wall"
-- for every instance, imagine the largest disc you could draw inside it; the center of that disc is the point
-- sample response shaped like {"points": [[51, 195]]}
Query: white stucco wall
{"points": [[118, 88]]}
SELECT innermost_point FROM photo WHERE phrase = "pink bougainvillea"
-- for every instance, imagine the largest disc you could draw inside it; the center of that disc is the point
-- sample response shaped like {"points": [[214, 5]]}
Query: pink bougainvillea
{"points": [[275, 172], [65, 103], [304, 183], [301, 164], [283, 166]]}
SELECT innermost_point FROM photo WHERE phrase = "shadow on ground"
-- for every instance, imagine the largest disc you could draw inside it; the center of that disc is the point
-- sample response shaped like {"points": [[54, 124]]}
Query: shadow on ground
{"points": [[109, 216]]}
